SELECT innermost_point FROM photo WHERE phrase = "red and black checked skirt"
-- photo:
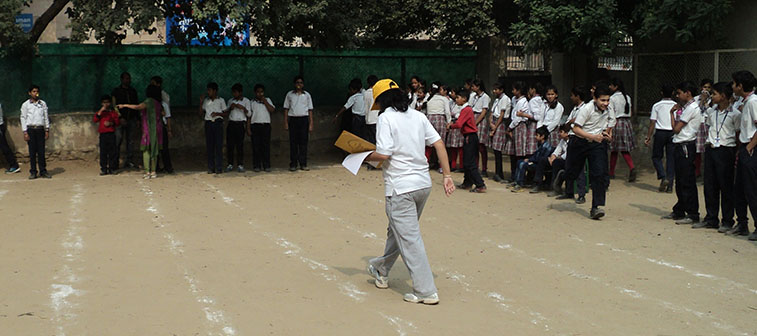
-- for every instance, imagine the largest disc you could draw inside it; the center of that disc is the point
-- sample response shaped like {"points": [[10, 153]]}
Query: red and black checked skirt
{"points": [[483, 131], [531, 144], [554, 138], [519, 140], [701, 137], [622, 136], [455, 138], [499, 140], [439, 121]]}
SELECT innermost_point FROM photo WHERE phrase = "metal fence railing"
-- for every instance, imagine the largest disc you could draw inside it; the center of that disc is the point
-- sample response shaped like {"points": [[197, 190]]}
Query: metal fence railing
{"points": [[73, 76]]}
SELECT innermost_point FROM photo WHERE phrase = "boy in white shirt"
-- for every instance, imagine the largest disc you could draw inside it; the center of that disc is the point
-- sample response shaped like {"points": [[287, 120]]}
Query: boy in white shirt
{"points": [[298, 120], [36, 127], [259, 129], [746, 171], [371, 118], [659, 123], [213, 109], [238, 109], [685, 128], [10, 157], [356, 104], [719, 159]]}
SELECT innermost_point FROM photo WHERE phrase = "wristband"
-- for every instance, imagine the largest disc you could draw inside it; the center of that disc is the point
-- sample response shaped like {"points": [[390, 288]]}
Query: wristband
{"points": [[447, 176]]}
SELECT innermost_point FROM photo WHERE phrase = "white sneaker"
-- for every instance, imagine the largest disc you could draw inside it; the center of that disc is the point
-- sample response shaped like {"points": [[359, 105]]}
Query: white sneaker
{"points": [[429, 300], [380, 281], [240, 168], [229, 168]]}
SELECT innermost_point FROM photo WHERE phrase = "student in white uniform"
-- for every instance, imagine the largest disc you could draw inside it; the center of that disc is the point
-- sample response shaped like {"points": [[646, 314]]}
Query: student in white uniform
{"points": [[498, 128], [298, 120], [439, 115], [35, 124], [518, 128], [579, 97], [10, 157], [371, 118], [402, 135], [480, 103], [746, 171], [213, 109], [238, 109], [259, 129], [659, 123], [686, 126], [720, 157], [623, 140], [356, 104], [552, 115]]}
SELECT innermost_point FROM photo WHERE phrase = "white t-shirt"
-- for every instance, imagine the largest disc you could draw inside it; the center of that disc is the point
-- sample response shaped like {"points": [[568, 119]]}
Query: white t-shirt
{"points": [[723, 126], [357, 103], [661, 114], [693, 118], [520, 104], [748, 119], [591, 119], [561, 151], [298, 104], [479, 102], [260, 114], [211, 106], [618, 103], [552, 117], [371, 117], [403, 136], [238, 114], [502, 103]]}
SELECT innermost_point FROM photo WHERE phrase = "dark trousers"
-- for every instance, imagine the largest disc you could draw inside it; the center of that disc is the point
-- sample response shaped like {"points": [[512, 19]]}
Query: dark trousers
{"points": [[108, 158], [126, 131], [718, 184], [214, 144], [261, 145], [10, 157], [498, 171], [370, 132], [579, 150], [746, 186], [580, 181], [663, 145], [686, 180], [541, 167], [470, 151], [235, 131], [358, 126], [298, 141], [165, 154], [37, 150]]}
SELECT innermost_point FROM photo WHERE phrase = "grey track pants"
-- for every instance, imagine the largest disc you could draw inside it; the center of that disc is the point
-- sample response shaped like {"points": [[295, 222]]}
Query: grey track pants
{"points": [[404, 238]]}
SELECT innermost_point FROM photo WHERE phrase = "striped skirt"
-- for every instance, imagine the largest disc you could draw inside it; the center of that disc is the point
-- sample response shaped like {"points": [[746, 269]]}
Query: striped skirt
{"points": [[483, 131], [439, 121], [701, 138], [622, 136], [500, 138], [519, 139], [455, 138], [531, 144], [554, 137]]}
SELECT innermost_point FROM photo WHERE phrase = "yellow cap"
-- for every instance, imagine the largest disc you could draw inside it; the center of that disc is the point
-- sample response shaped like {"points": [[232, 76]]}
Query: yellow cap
{"points": [[381, 87]]}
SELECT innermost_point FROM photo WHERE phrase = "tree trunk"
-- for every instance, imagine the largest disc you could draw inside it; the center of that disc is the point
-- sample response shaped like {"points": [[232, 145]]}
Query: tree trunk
{"points": [[44, 20]]}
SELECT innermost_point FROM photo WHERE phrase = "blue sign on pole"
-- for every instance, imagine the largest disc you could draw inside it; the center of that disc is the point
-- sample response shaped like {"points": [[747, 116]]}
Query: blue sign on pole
{"points": [[26, 21]]}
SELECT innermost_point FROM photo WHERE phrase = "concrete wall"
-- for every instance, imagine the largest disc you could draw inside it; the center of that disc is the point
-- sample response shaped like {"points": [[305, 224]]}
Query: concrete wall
{"points": [[73, 136]]}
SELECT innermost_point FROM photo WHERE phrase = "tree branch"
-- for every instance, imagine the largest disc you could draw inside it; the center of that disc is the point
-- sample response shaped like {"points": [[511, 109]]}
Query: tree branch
{"points": [[44, 20]]}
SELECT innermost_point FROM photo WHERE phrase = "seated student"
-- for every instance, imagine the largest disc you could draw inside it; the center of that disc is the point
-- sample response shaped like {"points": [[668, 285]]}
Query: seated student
{"points": [[238, 109], [592, 128], [467, 125], [546, 162], [107, 119], [259, 129], [356, 104], [10, 157], [720, 156], [659, 123], [543, 151], [686, 126]]}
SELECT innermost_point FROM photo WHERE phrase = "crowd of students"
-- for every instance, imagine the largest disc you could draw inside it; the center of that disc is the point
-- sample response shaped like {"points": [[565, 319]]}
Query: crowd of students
{"points": [[712, 124]]}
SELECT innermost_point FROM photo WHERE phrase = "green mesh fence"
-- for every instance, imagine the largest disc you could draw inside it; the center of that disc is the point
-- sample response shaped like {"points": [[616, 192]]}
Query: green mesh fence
{"points": [[73, 77]]}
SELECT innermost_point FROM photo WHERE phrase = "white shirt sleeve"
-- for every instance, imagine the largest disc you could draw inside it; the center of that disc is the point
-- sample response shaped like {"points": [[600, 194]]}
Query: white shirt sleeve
{"points": [[350, 102], [45, 115], [248, 105], [447, 112], [269, 102], [486, 100], [309, 101], [287, 98], [24, 116], [384, 140], [653, 115], [223, 104]]}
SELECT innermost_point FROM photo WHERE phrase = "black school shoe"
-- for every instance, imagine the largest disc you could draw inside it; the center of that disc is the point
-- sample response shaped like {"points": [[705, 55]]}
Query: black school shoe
{"points": [[581, 200], [45, 175], [632, 176], [705, 225], [753, 236], [673, 216], [32, 176], [738, 230], [596, 213]]}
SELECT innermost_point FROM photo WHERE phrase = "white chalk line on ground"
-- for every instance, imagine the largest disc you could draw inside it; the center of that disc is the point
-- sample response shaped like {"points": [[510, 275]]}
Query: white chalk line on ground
{"points": [[714, 321], [2, 193], [214, 315], [347, 288], [536, 318], [62, 291]]}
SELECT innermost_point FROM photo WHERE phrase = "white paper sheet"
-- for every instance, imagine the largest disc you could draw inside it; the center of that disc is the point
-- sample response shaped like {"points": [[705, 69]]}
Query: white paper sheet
{"points": [[353, 162]]}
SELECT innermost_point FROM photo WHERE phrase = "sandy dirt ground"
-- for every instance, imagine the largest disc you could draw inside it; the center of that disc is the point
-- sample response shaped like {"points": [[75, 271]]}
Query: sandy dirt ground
{"points": [[285, 253]]}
